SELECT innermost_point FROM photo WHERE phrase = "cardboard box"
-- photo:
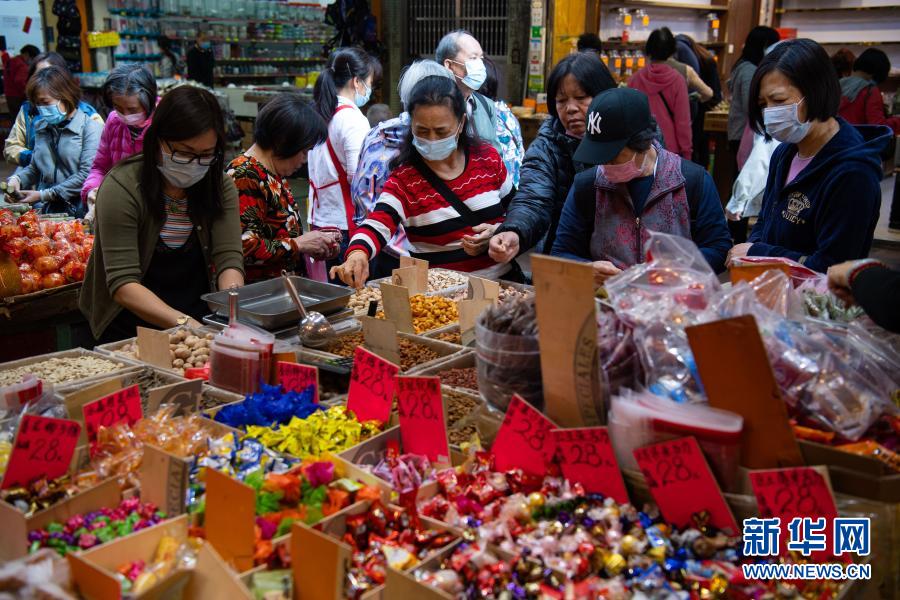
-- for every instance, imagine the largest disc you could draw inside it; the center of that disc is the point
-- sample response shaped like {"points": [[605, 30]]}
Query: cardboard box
{"points": [[114, 348], [320, 559], [94, 570], [444, 351], [16, 526], [861, 476]]}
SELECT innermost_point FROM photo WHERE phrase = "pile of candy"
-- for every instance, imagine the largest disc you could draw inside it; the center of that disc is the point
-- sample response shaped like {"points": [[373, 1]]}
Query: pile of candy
{"points": [[304, 495], [236, 458], [473, 571], [268, 407], [136, 577], [120, 448], [40, 494], [403, 471], [384, 536], [333, 430], [81, 532]]}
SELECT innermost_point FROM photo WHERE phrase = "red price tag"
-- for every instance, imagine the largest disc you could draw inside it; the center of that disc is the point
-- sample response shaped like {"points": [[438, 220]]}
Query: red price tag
{"points": [[296, 378], [43, 448], [371, 394], [587, 457], [794, 492], [421, 410], [524, 440], [682, 484], [124, 405]]}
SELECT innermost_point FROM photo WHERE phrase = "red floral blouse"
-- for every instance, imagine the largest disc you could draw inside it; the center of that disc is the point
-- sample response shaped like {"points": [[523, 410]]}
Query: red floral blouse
{"points": [[269, 219]]}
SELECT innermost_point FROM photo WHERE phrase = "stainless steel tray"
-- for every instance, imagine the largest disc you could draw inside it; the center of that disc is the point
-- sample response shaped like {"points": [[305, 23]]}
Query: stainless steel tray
{"points": [[268, 304]]}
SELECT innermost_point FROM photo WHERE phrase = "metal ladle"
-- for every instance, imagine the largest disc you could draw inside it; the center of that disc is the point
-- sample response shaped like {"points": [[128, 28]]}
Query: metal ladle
{"points": [[314, 329]]}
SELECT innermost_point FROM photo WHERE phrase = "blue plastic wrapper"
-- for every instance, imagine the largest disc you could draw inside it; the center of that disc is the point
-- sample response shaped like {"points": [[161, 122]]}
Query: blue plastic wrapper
{"points": [[269, 407]]}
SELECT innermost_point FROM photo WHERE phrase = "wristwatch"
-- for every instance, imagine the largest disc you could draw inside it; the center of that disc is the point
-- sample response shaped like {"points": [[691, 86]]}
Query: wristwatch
{"points": [[182, 320]]}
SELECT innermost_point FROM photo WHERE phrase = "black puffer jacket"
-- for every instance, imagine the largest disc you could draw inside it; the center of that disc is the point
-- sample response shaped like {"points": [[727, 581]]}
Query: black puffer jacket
{"points": [[547, 174]]}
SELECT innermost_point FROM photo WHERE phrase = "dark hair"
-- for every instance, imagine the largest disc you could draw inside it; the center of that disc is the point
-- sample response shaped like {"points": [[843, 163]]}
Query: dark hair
{"points": [[587, 69], [378, 113], [488, 89], [759, 38], [131, 80], [28, 49], [183, 113], [165, 46], [287, 125], [55, 59], [643, 139], [58, 84], [343, 65], [806, 64], [434, 91], [590, 42], [843, 61], [873, 62], [661, 44]]}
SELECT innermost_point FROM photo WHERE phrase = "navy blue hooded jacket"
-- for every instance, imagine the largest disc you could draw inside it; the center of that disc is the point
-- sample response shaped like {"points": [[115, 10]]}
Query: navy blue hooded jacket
{"points": [[828, 213]]}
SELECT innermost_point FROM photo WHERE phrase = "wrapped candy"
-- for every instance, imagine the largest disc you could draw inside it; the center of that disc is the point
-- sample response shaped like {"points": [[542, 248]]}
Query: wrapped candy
{"points": [[384, 536], [403, 472], [137, 577], [268, 407], [38, 575], [40, 494], [81, 532], [332, 430]]}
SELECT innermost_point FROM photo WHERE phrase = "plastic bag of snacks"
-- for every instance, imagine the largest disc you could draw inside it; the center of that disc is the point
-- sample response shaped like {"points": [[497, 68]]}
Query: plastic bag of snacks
{"points": [[508, 354]]}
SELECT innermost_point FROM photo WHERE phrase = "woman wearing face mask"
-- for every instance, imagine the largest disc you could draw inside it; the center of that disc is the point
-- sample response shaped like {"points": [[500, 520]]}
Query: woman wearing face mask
{"points": [[639, 187], [444, 187], [343, 87], [64, 147], [167, 224], [273, 239], [131, 91], [201, 63], [823, 192], [549, 167]]}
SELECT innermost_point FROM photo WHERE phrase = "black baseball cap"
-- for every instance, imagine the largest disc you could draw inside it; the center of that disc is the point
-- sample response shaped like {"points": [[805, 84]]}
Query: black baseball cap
{"points": [[613, 117]]}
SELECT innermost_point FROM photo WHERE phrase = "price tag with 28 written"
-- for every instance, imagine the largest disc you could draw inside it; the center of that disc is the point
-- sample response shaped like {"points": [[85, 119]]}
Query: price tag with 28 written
{"points": [[524, 440], [587, 456], [421, 411], [294, 377], [793, 492], [123, 405], [372, 379], [683, 485], [43, 448]]}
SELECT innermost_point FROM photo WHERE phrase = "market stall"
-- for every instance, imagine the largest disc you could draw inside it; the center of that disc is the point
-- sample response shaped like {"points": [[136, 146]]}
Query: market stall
{"points": [[454, 437]]}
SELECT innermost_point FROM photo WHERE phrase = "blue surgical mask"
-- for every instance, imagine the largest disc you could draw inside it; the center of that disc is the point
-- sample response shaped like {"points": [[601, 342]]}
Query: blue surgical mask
{"points": [[206, 45], [783, 124], [438, 149], [476, 73], [52, 114], [363, 99]]}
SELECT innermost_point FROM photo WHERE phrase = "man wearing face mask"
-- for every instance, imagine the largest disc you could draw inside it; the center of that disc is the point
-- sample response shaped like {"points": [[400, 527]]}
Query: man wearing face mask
{"points": [[823, 193], [201, 62], [639, 187], [463, 56]]}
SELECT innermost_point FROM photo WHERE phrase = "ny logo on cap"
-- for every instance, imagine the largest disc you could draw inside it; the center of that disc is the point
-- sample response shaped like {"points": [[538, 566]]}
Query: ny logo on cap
{"points": [[594, 123]]}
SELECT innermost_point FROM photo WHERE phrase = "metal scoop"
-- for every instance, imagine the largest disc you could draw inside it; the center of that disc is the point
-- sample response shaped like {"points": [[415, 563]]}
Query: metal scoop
{"points": [[314, 329]]}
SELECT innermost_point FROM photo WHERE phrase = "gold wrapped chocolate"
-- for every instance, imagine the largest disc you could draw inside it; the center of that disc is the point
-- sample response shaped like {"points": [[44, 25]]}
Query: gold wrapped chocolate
{"points": [[333, 430], [614, 564]]}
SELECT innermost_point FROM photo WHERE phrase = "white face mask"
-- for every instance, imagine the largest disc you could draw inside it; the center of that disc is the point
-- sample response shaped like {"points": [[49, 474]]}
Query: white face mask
{"points": [[181, 175], [436, 149], [783, 124], [476, 73]]}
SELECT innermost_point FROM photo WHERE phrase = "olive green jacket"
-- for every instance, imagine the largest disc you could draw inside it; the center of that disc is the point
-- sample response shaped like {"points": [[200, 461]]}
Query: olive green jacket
{"points": [[126, 235]]}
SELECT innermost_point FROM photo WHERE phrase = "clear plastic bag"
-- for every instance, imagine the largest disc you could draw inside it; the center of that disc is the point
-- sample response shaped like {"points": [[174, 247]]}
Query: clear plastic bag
{"points": [[507, 365], [620, 364]]}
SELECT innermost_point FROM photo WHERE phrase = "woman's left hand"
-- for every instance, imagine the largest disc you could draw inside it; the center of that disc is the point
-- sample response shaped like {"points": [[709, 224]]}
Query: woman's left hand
{"points": [[477, 244], [30, 196], [737, 252]]}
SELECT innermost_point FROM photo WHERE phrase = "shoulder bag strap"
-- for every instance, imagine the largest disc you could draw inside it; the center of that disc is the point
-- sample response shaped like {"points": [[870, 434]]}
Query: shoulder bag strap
{"points": [[668, 108], [441, 188]]}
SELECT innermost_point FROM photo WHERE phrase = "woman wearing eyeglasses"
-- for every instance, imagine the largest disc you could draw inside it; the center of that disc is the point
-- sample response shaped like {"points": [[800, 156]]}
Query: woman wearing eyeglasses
{"points": [[167, 225]]}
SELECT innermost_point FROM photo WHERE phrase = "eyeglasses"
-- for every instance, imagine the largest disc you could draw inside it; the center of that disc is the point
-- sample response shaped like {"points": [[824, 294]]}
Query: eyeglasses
{"points": [[183, 158]]}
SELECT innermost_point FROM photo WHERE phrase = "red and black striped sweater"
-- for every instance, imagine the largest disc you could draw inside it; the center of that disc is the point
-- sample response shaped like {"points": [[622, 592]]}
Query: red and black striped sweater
{"points": [[434, 228]]}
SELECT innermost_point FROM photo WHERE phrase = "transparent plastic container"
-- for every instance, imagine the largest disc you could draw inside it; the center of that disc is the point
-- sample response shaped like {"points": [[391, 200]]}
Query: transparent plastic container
{"points": [[507, 365]]}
